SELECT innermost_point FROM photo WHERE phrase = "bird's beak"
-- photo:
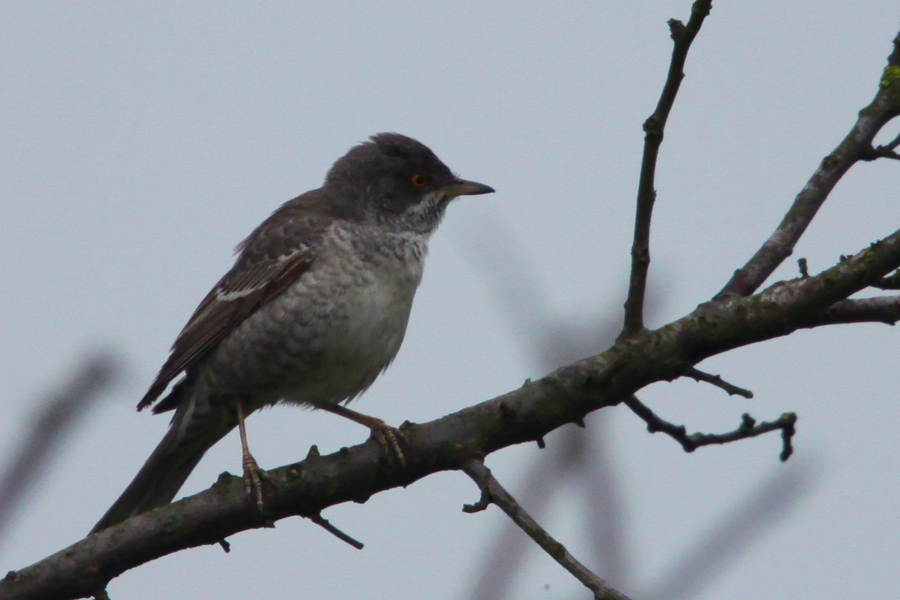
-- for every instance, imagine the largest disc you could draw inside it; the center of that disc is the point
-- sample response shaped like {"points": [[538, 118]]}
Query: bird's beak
{"points": [[461, 187]]}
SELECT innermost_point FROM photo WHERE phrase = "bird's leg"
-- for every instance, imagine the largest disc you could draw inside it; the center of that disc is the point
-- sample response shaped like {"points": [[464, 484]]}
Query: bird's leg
{"points": [[252, 473], [386, 436]]}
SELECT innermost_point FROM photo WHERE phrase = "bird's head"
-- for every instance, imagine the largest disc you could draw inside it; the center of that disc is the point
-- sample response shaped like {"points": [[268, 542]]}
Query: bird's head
{"points": [[395, 178]]}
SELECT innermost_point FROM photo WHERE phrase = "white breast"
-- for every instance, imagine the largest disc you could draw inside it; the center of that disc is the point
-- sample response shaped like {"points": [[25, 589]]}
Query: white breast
{"points": [[367, 311]]}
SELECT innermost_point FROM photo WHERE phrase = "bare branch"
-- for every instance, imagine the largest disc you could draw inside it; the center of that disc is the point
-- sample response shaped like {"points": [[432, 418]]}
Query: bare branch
{"points": [[579, 457], [882, 309], [748, 428], [322, 522], [870, 154], [856, 146], [885, 151], [717, 381], [891, 282], [493, 492], [654, 127], [522, 415]]}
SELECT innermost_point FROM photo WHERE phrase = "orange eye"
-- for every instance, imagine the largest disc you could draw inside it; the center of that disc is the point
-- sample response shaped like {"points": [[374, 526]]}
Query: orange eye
{"points": [[420, 179]]}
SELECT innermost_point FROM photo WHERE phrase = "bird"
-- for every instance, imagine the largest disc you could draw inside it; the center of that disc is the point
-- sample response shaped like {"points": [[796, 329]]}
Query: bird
{"points": [[314, 309]]}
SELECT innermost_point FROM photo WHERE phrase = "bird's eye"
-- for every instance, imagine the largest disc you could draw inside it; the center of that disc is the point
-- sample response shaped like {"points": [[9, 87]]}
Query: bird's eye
{"points": [[420, 179]]}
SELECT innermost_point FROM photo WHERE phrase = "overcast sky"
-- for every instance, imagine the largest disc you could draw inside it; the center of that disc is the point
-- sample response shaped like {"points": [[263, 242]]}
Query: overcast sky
{"points": [[139, 143]]}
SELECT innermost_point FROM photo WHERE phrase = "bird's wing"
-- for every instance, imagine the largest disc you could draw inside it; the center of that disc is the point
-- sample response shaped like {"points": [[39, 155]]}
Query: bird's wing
{"points": [[273, 257]]}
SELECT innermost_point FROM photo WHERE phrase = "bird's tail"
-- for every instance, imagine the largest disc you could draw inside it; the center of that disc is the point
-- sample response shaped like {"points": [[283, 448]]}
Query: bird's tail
{"points": [[196, 426]]}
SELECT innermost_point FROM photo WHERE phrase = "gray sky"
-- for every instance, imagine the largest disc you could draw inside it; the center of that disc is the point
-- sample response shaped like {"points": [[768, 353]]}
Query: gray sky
{"points": [[139, 144]]}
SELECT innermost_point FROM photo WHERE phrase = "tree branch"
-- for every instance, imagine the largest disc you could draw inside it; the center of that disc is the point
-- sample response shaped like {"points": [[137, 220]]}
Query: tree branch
{"points": [[891, 282], [882, 309], [654, 127], [885, 151], [522, 415], [327, 526], [493, 492], [856, 146], [736, 317], [748, 428], [716, 380]]}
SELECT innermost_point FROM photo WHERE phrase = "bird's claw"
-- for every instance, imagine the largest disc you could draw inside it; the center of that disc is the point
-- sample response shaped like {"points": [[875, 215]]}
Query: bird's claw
{"points": [[253, 478], [389, 439]]}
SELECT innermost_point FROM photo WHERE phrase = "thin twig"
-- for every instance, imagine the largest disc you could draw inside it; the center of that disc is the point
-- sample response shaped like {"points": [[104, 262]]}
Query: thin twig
{"points": [[717, 381], [576, 457], [856, 146], [804, 267], [479, 506], [654, 127], [492, 491], [322, 522], [748, 428], [893, 145]]}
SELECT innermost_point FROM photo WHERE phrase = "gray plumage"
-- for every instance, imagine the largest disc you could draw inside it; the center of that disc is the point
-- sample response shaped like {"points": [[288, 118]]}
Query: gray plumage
{"points": [[314, 309]]}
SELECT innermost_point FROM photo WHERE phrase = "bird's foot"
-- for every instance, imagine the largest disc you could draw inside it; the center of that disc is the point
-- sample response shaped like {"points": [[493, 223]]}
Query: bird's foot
{"points": [[388, 438], [253, 478]]}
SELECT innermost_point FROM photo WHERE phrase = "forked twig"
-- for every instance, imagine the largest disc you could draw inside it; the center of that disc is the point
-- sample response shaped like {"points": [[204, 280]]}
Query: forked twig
{"points": [[748, 428], [493, 492], [856, 146], [654, 127]]}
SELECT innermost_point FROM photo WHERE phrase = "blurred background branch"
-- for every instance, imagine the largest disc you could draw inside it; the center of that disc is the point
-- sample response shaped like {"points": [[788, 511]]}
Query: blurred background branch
{"points": [[56, 414]]}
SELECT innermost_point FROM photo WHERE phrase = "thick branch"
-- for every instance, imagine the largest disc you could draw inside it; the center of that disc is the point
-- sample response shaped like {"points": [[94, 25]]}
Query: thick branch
{"points": [[493, 492], [856, 146], [522, 415], [654, 127]]}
